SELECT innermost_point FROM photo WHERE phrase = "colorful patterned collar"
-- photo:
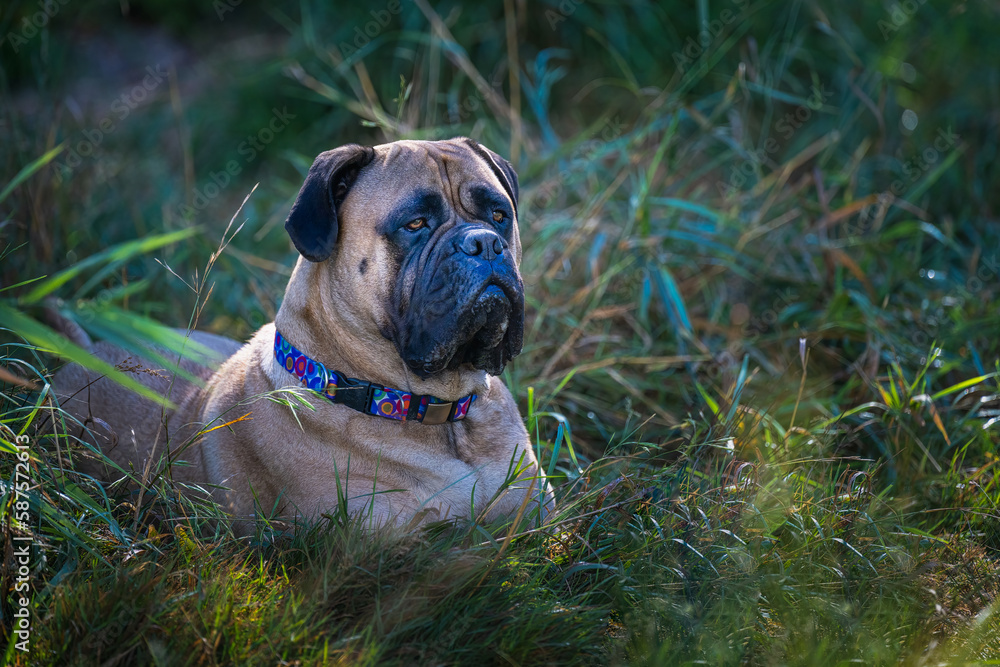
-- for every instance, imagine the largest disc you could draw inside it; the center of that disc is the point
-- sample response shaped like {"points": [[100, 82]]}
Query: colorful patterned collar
{"points": [[367, 397]]}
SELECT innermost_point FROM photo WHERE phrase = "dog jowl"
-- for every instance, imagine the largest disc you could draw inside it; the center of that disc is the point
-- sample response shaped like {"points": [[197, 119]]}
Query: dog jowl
{"points": [[405, 304]]}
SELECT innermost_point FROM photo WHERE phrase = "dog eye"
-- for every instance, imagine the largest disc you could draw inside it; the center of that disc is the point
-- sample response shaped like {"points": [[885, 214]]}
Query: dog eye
{"points": [[414, 225], [499, 216]]}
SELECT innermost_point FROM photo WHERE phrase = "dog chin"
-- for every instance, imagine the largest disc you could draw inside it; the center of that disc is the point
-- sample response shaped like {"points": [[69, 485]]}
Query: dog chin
{"points": [[487, 336], [486, 333]]}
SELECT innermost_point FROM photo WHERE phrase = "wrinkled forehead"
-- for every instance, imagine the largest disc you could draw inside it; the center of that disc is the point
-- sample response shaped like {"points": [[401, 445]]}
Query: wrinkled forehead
{"points": [[403, 167]]}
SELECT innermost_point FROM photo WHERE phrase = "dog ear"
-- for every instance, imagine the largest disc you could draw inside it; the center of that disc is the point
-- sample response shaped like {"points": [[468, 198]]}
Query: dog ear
{"points": [[312, 223], [503, 169]]}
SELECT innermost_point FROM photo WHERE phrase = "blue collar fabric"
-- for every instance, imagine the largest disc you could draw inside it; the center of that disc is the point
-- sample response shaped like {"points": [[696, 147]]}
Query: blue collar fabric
{"points": [[367, 397]]}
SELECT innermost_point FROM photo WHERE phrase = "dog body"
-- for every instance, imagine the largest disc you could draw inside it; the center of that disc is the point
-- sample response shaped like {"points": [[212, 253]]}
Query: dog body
{"points": [[408, 279]]}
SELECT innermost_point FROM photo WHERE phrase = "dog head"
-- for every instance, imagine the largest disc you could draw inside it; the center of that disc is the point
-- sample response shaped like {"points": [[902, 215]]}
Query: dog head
{"points": [[419, 241]]}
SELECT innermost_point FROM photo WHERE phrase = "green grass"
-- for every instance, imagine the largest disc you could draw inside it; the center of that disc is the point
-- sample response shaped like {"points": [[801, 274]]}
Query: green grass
{"points": [[761, 361]]}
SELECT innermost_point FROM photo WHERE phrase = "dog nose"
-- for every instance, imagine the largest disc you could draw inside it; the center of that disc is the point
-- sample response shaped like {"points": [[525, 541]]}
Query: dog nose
{"points": [[481, 243]]}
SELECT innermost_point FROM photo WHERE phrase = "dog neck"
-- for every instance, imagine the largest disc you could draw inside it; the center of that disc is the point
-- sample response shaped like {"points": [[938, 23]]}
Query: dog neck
{"points": [[310, 318]]}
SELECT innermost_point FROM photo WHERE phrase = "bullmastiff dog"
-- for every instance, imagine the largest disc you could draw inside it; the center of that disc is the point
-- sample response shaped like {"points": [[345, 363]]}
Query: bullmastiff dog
{"points": [[405, 305]]}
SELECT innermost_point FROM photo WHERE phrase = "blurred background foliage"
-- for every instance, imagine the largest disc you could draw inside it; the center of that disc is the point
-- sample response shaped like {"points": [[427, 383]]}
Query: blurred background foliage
{"points": [[754, 231]]}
